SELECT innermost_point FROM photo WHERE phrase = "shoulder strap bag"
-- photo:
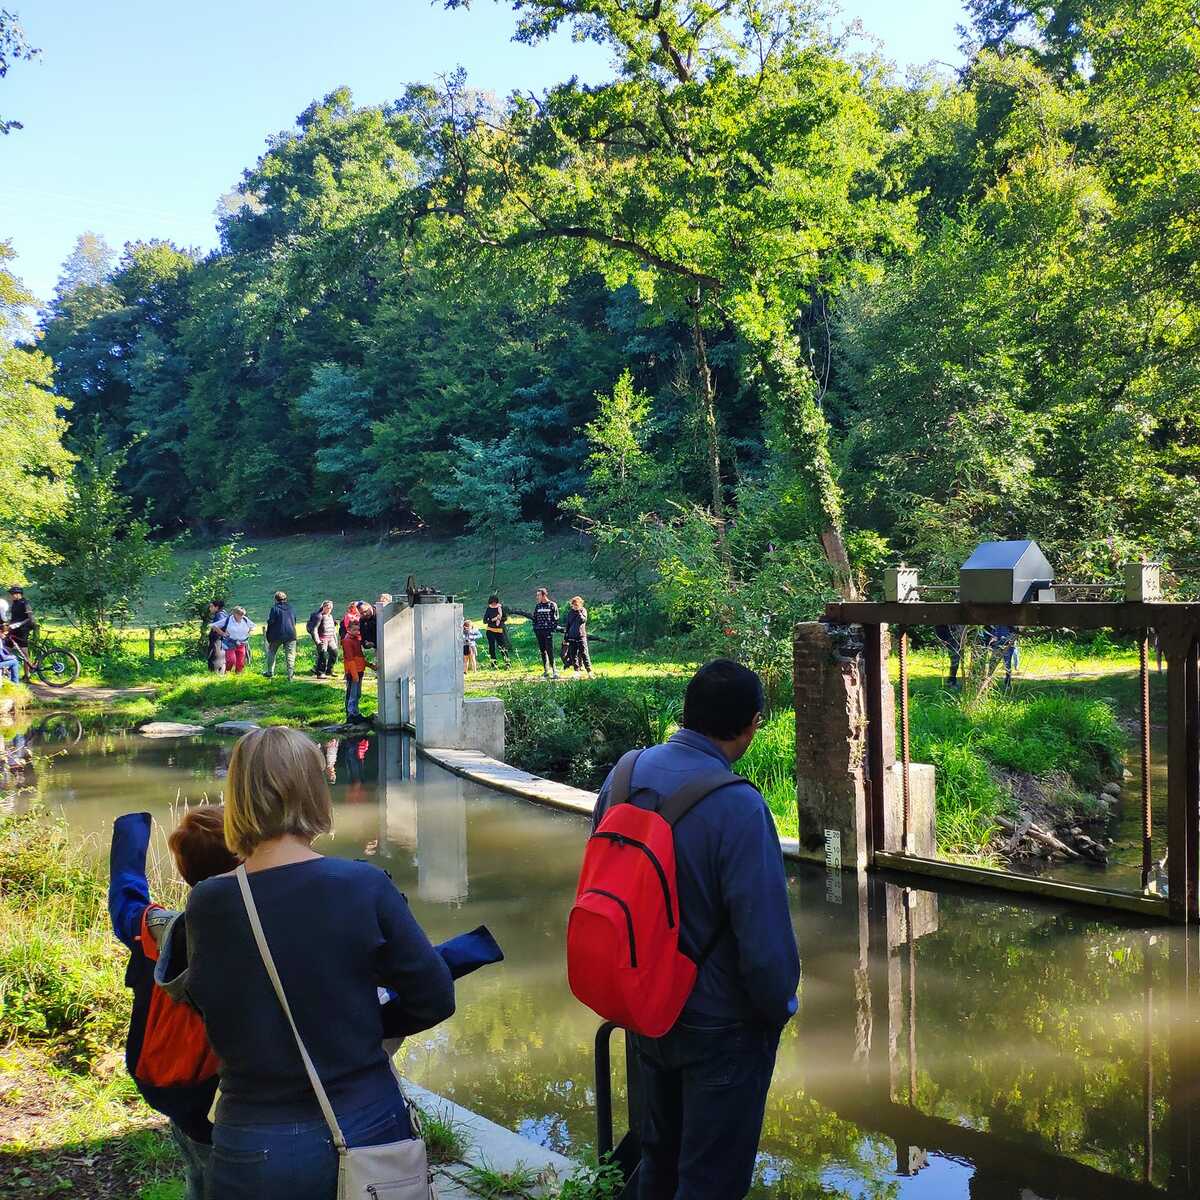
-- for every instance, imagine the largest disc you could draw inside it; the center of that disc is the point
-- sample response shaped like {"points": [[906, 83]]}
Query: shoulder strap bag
{"points": [[395, 1171]]}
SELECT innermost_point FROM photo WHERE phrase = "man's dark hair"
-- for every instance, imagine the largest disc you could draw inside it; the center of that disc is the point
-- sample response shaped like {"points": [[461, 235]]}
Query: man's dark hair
{"points": [[216, 603], [16, 589], [722, 698], [493, 599]]}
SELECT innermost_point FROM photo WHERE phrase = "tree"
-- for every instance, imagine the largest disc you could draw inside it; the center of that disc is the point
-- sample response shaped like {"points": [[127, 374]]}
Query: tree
{"points": [[14, 47], [102, 555], [488, 480], [37, 467], [211, 579], [624, 492], [731, 172]]}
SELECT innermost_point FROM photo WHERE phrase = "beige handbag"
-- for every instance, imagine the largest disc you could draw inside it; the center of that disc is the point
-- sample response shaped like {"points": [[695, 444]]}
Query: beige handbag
{"points": [[396, 1171]]}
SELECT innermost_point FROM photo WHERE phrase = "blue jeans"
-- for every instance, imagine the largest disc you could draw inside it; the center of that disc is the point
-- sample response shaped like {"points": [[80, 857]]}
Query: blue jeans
{"points": [[353, 695], [11, 667], [704, 1091], [297, 1160]]}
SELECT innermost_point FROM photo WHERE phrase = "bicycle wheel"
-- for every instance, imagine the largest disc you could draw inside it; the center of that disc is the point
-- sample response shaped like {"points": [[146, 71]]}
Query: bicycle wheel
{"points": [[56, 668]]}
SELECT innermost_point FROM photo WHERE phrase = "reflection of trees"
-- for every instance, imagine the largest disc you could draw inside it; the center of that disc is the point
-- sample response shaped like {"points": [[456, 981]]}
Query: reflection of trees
{"points": [[1031, 1026]]}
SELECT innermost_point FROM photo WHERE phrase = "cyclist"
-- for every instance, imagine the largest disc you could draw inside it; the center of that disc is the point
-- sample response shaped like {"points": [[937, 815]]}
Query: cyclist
{"points": [[21, 622]]}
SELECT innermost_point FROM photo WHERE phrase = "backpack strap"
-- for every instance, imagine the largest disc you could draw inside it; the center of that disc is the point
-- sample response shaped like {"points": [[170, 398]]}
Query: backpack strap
{"points": [[622, 777], [681, 802]]}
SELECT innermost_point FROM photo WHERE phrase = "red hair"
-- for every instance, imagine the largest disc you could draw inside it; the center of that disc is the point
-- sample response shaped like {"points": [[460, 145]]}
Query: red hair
{"points": [[198, 844]]}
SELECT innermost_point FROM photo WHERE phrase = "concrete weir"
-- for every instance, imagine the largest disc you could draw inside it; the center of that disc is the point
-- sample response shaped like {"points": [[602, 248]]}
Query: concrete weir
{"points": [[490, 1145]]}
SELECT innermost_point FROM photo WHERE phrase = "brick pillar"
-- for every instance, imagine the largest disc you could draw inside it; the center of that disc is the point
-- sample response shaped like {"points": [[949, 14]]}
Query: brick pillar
{"points": [[831, 745]]}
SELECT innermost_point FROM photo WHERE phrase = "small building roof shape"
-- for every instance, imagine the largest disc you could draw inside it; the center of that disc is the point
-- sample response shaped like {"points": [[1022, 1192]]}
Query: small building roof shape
{"points": [[1004, 573]]}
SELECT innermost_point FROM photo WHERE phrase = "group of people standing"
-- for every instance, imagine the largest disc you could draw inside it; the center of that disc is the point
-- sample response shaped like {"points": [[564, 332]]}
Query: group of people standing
{"points": [[229, 632], [575, 654]]}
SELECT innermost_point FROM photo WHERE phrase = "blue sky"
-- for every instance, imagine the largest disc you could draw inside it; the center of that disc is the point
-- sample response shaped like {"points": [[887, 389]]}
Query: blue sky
{"points": [[138, 115]]}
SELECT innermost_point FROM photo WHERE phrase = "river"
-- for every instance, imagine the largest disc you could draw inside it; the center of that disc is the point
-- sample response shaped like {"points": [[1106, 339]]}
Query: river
{"points": [[946, 1045]]}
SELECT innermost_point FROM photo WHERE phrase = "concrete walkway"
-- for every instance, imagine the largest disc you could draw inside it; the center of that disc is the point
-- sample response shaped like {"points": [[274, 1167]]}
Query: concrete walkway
{"points": [[492, 773], [488, 1145]]}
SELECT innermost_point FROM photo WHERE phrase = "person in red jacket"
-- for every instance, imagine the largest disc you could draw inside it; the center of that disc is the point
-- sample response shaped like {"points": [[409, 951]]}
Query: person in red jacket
{"points": [[355, 665], [166, 1049]]}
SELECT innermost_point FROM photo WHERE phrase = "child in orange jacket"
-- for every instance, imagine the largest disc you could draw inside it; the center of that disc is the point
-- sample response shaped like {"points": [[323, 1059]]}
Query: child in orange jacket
{"points": [[355, 665]]}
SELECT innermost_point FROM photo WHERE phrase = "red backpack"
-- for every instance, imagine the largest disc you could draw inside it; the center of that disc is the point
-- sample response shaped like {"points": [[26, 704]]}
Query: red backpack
{"points": [[623, 956]]}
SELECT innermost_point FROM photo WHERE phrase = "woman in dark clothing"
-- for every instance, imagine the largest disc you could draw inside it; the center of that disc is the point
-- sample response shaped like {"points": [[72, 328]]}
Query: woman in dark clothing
{"points": [[495, 625], [338, 931], [575, 637]]}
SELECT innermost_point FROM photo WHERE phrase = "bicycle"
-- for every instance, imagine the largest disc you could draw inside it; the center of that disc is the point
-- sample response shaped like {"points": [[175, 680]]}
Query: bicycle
{"points": [[55, 667]]}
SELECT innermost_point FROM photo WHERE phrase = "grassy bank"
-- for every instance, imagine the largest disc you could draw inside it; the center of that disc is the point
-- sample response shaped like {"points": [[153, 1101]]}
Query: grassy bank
{"points": [[313, 567], [71, 1121], [1060, 727]]}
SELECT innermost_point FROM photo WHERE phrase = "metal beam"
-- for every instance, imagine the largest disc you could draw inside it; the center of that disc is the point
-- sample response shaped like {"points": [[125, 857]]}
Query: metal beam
{"points": [[875, 655], [1061, 614], [1048, 889]]}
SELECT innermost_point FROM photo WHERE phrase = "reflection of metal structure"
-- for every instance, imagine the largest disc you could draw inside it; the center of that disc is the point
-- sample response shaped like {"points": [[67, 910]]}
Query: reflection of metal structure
{"points": [[1178, 630], [889, 1101]]}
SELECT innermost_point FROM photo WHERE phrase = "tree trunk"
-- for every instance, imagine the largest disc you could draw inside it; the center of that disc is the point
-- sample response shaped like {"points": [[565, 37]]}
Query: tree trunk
{"points": [[708, 403]]}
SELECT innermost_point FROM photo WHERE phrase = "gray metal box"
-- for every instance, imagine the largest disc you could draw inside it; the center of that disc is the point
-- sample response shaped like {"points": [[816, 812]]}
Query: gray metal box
{"points": [[1005, 573]]}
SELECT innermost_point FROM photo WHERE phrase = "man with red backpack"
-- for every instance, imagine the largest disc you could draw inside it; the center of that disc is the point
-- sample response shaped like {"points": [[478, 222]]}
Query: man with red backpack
{"points": [[681, 933]]}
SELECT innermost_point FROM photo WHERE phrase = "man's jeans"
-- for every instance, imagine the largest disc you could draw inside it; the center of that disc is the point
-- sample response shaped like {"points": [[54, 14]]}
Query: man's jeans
{"points": [[289, 650], [704, 1090], [11, 667], [195, 1157], [296, 1160]]}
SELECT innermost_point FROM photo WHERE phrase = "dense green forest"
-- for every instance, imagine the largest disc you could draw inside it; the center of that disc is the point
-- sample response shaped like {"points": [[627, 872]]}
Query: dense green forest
{"points": [[756, 313]]}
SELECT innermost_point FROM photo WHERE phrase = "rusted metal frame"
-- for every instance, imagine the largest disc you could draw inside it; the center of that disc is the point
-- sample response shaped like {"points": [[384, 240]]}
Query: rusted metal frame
{"points": [[905, 755], [874, 668], [1147, 813], [1183, 771], [1165, 617], [1149, 907]]}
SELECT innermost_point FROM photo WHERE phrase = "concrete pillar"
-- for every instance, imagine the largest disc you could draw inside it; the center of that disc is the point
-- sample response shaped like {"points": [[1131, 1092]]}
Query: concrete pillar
{"points": [[395, 663], [437, 652]]}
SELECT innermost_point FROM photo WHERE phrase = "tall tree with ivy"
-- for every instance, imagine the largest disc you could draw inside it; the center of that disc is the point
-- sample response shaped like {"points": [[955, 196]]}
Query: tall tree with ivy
{"points": [[731, 171]]}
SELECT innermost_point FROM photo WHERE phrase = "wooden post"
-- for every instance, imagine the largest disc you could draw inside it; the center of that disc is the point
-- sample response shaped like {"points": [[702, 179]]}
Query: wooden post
{"points": [[874, 678], [1183, 773], [153, 631]]}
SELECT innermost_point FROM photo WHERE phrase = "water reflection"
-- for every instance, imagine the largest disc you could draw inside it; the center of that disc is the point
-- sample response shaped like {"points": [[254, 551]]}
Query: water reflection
{"points": [[947, 1045]]}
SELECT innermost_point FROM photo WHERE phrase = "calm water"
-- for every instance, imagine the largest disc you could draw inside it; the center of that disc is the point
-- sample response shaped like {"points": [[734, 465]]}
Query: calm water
{"points": [[946, 1046]]}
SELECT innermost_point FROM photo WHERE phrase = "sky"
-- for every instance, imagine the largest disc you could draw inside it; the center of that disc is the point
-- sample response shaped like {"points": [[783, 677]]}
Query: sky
{"points": [[140, 114]]}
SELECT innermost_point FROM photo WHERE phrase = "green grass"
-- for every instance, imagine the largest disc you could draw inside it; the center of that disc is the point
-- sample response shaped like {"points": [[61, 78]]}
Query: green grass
{"points": [[770, 764], [445, 1140], [313, 567]]}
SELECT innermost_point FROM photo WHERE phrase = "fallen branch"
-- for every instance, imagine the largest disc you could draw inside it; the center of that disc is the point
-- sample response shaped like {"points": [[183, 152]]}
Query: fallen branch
{"points": [[1040, 835]]}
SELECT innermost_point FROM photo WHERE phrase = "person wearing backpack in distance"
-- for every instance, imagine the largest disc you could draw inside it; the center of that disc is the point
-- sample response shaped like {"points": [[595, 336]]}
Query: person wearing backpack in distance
{"points": [[166, 1049], [681, 934]]}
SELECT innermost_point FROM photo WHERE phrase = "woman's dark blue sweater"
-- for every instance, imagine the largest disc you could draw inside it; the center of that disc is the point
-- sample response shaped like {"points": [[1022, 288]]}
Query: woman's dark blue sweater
{"points": [[338, 931]]}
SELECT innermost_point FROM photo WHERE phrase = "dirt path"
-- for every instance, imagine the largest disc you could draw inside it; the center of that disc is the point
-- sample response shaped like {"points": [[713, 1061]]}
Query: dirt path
{"points": [[80, 694]]}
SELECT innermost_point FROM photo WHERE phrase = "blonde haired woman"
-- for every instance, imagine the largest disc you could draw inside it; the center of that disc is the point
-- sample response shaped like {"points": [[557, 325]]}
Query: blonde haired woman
{"points": [[337, 931]]}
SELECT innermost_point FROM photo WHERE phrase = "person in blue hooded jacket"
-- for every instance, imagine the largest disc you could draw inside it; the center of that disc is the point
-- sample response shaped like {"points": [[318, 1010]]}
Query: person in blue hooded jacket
{"points": [[166, 1048], [704, 1083]]}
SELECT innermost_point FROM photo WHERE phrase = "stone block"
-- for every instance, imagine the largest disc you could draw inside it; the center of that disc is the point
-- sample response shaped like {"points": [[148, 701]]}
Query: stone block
{"points": [[922, 805], [831, 745], [483, 726]]}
